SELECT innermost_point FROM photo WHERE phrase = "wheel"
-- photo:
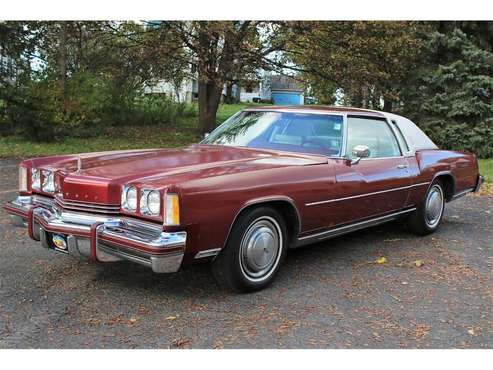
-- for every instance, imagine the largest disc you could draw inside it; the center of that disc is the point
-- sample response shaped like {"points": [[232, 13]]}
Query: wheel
{"points": [[254, 251], [427, 218]]}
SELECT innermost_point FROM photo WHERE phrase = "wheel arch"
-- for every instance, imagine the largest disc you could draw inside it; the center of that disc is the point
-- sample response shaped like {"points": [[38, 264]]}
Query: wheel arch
{"points": [[449, 183], [283, 204]]}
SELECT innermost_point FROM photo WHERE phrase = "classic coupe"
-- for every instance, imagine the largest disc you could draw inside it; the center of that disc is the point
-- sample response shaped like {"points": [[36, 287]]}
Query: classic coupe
{"points": [[267, 180]]}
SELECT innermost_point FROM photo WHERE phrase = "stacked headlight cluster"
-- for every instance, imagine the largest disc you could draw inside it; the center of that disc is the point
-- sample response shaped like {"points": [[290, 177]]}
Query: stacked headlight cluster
{"points": [[129, 198], [149, 204], [150, 201], [41, 180]]}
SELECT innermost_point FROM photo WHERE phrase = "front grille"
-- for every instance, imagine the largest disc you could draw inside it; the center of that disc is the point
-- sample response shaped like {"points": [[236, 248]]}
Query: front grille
{"points": [[88, 206]]}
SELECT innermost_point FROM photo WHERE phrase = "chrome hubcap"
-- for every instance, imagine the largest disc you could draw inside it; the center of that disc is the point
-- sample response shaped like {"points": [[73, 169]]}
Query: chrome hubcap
{"points": [[434, 206], [260, 248]]}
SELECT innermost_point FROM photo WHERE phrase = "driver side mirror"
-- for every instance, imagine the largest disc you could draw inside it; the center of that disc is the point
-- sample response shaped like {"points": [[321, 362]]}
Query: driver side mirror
{"points": [[360, 151]]}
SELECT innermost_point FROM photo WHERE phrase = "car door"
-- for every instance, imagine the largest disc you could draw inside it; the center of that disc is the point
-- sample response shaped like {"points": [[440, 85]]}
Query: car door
{"points": [[372, 186]]}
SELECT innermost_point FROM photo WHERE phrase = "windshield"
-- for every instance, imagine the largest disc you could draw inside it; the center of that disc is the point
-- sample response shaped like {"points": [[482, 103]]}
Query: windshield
{"points": [[294, 132]]}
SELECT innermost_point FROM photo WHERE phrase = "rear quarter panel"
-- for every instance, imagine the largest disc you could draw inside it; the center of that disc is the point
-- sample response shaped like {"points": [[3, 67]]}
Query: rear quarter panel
{"points": [[462, 166]]}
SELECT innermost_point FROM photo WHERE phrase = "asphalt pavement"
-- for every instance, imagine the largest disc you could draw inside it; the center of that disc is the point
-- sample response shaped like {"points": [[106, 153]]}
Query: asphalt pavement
{"points": [[427, 292]]}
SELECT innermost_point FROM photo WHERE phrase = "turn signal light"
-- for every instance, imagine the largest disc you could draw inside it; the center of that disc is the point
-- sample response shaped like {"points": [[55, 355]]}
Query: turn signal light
{"points": [[171, 210], [22, 179]]}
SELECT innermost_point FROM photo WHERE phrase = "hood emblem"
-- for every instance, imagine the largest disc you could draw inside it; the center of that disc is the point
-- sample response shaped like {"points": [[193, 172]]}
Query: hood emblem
{"points": [[79, 164]]}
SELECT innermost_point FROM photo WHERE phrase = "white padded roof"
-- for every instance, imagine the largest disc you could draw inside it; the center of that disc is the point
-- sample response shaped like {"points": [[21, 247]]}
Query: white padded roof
{"points": [[415, 138]]}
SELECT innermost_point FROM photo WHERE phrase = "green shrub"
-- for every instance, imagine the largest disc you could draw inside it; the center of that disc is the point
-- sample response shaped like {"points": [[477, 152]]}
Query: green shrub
{"points": [[91, 103], [159, 110]]}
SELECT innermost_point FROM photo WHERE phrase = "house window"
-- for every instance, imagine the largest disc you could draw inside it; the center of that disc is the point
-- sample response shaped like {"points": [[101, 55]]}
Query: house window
{"points": [[250, 87]]}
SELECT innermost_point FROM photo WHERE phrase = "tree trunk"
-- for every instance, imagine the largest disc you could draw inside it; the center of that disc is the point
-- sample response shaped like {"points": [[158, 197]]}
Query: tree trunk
{"points": [[387, 105], [209, 97], [177, 93], [357, 99], [62, 64], [229, 93]]}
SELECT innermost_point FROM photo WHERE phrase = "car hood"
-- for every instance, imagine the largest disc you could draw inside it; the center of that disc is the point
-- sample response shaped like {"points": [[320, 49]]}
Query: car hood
{"points": [[97, 177]]}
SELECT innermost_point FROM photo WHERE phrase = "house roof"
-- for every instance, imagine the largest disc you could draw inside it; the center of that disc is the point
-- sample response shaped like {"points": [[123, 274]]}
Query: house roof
{"points": [[285, 83]]}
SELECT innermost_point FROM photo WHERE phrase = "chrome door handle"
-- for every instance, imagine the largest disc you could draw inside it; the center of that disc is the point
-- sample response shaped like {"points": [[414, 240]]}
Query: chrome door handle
{"points": [[402, 166]]}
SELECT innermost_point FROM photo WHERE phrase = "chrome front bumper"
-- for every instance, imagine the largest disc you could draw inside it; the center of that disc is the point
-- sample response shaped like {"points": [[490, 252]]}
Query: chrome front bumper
{"points": [[99, 237]]}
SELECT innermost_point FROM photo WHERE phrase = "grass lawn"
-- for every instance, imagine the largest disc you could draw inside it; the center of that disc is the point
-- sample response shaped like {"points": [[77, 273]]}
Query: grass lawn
{"points": [[114, 138], [486, 169]]}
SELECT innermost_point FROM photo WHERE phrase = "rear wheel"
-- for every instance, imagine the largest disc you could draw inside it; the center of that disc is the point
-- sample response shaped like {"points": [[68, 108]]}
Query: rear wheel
{"points": [[427, 218], [255, 249]]}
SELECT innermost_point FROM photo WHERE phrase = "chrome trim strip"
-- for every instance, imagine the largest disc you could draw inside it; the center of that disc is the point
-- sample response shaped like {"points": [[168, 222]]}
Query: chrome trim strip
{"points": [[462, 193], [365, 195], [208, 253], [59, 197], [344, 138], [351, 227], [258, 201], [85, 205]]}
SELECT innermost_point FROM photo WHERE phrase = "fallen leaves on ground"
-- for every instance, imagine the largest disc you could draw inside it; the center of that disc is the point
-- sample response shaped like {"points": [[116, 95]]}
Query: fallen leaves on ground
{"points": [[381, 260], [286, 326], [418, 263], [421, 330], [181, 343], [218, 344], [486, 189]]}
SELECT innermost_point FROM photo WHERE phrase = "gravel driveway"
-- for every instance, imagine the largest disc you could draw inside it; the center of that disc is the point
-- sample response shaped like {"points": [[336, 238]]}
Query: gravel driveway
{"points": [[329, 295]]}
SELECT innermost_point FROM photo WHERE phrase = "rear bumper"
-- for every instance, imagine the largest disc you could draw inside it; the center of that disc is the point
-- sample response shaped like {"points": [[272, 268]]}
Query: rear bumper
{"points": [[99, 237], [479, 183]]}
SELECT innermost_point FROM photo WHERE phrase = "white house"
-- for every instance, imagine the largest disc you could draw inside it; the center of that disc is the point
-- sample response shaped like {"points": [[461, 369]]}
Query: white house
{"points": [[281, 90], [186, 92]]}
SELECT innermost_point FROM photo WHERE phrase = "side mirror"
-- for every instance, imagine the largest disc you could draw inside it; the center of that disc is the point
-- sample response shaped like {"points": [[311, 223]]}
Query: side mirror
{"points": [[360, 151], [205, 135]]}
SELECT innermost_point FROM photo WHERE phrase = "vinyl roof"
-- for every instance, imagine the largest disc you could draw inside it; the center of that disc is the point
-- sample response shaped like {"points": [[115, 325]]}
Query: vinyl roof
{"points": [[318, 108]]}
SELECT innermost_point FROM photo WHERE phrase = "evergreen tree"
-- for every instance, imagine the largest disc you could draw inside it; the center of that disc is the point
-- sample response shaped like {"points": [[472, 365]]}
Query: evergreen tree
{"points": [[451, 95]]}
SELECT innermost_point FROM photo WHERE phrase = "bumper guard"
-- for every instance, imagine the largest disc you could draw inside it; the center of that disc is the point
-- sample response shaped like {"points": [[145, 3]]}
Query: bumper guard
{"points": [[99, 237]]}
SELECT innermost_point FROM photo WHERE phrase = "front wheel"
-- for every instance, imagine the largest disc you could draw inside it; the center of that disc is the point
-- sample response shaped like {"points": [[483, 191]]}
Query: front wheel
{"points": [[427, 218], [255, 249]]}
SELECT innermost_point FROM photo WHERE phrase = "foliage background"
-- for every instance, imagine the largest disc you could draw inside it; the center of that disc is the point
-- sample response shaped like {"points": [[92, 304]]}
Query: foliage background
{"points": [[84, 80]]}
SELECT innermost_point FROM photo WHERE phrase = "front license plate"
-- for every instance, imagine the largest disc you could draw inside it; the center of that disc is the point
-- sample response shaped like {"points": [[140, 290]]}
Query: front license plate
{"points": [[60, 243]]}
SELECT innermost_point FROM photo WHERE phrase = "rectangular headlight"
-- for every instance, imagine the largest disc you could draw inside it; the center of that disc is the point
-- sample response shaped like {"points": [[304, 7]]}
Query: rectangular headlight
{"points": [[22, 179], [35, 179], [171, 210], [48, 181]]}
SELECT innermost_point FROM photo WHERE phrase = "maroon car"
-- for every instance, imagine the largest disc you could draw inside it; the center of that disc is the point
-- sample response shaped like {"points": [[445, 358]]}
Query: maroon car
{"points": [[267, 180]]}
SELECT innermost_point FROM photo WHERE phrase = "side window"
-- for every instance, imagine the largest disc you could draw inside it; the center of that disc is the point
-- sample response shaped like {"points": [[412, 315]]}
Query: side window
{"points": [[374, 133]]}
